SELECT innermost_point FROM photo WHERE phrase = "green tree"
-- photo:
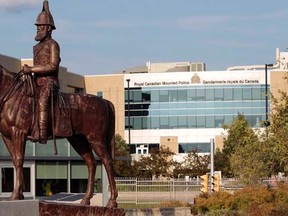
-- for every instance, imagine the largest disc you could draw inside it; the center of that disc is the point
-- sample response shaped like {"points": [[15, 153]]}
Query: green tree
{"points": [[221, 162], [193, 165], [276, 134], [245, 151], [122, 165], [158, 163]]}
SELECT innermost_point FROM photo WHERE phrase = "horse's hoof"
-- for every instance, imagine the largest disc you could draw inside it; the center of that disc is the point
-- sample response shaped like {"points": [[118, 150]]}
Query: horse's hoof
{"points": [[85, 202], [112, 204]]}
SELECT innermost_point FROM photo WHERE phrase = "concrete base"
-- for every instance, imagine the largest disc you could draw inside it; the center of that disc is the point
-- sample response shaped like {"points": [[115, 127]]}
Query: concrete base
{"points": [[19, 208], [62, 209]]}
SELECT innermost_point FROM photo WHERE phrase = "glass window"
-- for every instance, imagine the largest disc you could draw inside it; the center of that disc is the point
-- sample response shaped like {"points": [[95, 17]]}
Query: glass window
{"points": [[173, 95], [7, 174], [200, 94], [164, 96], [137, 95], [164, 123], [3, 149], [146, 96], [200, 121], [182, 121], [27, 179], [219, 94], [100, 94], [29, 148], [209, 94], [155, 95], [183, 148], [46, 150], [237, 92], [256, 93], [219, 120], [155, 123], [173, 123], [247, 93], [210, 122], [191, 95], [137, 124], [182, 95], [191, 121], [145, 123], [228, 94]]}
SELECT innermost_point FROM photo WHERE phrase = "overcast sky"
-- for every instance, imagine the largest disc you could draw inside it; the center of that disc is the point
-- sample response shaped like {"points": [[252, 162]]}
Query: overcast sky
{"points": [[104, 36]]}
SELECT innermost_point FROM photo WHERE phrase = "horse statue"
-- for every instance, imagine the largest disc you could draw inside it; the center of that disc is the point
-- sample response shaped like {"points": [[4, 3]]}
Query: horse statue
{"points": [[92, 123]]}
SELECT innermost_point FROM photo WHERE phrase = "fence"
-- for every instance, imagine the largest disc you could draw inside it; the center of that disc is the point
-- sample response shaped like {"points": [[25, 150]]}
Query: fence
{"points": [[147, 191]]}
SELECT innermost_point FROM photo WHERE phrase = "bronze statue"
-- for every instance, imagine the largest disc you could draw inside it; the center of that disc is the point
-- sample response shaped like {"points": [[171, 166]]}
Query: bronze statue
{"points": [[46, 66], [90, 118]]}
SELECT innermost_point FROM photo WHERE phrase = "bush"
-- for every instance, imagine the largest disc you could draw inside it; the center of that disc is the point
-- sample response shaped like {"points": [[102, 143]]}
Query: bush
{"points": [[257, 200], [173, 203], [215, 201]]}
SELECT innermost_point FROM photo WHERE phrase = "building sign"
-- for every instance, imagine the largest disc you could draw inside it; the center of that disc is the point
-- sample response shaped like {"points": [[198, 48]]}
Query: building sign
{"points": [[192, 78]]}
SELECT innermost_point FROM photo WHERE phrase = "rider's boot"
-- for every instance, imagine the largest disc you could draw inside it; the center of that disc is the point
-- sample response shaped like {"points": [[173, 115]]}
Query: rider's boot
{"points": [[43, 118]]}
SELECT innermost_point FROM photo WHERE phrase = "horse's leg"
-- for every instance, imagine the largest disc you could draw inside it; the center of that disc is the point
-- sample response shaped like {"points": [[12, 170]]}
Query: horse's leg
{"points": [[101, 151], [16, 148], [82, 147]]}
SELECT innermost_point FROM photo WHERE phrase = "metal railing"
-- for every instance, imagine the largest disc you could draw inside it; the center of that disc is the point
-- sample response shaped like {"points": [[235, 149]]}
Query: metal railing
{"points": [[148, 191]]}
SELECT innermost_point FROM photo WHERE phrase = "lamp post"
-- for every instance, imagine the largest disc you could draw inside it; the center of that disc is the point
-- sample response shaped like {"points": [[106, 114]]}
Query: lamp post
{"points": [[129, 125], [266, 123]]}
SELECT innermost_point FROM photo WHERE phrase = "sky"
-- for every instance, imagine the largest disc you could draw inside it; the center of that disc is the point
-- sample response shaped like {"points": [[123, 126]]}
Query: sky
{"points": [[106, 36]]}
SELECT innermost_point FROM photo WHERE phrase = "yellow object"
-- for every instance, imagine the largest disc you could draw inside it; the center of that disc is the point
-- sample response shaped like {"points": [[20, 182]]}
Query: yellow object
{"points": [[204, 183], [216, 182]]}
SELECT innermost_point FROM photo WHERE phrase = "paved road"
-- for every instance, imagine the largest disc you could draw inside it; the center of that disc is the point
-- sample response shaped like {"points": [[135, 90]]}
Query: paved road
{"points": [[151, 197]]}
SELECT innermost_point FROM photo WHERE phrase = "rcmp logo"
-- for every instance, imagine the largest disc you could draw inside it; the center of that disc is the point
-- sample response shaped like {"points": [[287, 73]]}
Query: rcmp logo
{"points": [[195, 78]]}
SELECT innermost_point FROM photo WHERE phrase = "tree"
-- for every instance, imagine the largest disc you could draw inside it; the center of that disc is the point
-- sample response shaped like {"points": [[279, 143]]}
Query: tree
{"points": [[193, 165], [221, 162], [276, 134], [245, 151], [158, 163], [122, 165]]}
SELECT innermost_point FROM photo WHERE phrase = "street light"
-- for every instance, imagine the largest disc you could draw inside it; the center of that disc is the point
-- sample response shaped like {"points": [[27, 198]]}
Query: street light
{"points": [[266, 123], [128, 91]]}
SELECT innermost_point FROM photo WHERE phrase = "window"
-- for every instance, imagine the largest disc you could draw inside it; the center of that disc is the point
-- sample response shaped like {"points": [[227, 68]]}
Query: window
{"points": [[209, 94], [100, 94], [142, 149], [164, 96], [182, 95], [8, 179], [247, 93]]}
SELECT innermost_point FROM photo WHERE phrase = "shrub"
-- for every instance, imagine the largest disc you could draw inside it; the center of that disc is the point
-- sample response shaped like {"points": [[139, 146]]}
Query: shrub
{"points": [[215, 201], [258, 200], [173, 203]]}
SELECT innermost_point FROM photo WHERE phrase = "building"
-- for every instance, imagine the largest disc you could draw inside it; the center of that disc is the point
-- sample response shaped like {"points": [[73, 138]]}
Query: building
{"points": [[179, 105]]}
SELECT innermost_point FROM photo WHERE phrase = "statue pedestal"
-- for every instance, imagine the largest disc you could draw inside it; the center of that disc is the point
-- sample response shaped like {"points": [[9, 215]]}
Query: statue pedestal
{"points": [[56, 208], [19, 207]]}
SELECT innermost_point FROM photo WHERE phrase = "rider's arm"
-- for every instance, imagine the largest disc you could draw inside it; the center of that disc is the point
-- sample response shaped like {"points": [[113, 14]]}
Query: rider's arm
{"points": [[50, 67]]}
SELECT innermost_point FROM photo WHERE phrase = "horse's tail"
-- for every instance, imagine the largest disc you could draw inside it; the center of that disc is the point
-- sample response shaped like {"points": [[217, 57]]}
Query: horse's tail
{"points": [[111, 130]]}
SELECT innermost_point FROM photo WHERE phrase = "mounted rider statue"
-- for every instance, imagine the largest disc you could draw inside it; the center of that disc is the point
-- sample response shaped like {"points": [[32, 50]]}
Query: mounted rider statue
{"points": [[46, 58]]}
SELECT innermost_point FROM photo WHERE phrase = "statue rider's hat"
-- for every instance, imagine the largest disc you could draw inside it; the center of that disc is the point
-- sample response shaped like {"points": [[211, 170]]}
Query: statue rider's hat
{"points": [[45, 17]]}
